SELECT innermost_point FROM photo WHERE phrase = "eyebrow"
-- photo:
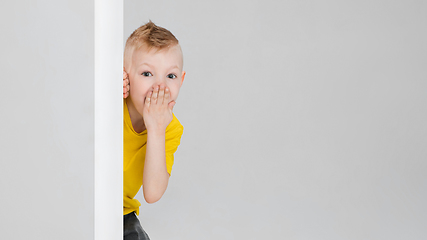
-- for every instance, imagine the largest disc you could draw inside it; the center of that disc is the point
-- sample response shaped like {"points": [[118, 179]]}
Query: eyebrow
{"points": [[145, 64], [176, 66], [173, 67]]}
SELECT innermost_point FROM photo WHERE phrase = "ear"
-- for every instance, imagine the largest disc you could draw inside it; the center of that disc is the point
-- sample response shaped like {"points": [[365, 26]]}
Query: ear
{"points": [[182, 77]]}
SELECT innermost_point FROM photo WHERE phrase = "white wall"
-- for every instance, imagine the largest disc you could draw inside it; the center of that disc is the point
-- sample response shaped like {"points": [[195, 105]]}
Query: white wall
{"points": [[47, 119], [108, 125], [303, 120]]}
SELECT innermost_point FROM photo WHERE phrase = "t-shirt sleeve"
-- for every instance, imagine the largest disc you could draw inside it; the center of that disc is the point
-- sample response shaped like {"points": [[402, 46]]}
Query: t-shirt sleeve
{"points": [[172, 141]]}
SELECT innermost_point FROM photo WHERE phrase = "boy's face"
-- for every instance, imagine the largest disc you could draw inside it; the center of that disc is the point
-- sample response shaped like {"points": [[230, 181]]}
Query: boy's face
{"points": [[151, 68]]}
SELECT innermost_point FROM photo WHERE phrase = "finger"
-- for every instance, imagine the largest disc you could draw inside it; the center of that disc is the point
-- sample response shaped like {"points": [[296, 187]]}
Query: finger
{"points": [[148, 99], [125, 92], [155, 95], [161, 94], [125, 82], [167, 95], [171, 105], [127, 88], [125, 75]]}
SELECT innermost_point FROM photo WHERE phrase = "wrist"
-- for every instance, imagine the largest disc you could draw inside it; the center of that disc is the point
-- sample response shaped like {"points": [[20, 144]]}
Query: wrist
{"points": [[156, 131]]}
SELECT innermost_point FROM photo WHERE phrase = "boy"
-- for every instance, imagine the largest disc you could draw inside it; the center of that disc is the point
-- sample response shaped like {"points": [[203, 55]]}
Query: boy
{"points": [[152, 77]]}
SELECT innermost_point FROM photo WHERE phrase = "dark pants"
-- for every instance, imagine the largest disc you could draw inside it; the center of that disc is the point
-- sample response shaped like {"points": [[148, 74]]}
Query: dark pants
{"points": [[132, 229]]}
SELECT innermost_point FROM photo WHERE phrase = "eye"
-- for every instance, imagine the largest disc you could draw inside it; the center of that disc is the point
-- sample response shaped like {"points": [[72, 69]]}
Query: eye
{"points": [[147, 74], [171, 76]]}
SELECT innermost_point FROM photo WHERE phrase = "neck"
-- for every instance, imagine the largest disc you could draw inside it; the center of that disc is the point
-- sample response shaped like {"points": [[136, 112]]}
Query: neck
{"points": [[136, 118]]}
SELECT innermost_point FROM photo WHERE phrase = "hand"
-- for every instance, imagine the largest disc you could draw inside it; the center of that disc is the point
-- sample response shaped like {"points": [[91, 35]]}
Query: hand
{"points": [[126, 85], [157, 112]]}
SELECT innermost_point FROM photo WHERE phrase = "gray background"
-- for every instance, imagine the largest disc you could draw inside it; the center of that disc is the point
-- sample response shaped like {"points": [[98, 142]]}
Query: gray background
{"points": [[47, 117], [303, 120]]}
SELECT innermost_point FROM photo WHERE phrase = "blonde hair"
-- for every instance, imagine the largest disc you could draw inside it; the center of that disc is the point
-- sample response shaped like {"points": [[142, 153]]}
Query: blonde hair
{"points": [[150, 36]]}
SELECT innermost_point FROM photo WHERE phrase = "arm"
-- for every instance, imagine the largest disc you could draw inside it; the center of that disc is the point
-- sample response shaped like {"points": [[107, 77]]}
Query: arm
{"points": [[157, 116], [156, 177]]}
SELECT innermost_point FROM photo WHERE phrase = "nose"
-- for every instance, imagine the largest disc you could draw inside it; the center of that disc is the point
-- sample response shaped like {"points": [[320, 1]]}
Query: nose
{"points": [[160, 82]]}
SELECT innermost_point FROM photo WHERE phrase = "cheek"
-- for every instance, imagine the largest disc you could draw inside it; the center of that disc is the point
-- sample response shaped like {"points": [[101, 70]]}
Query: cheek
{"points": [[139, 88], [174, 87], [174, 94]]}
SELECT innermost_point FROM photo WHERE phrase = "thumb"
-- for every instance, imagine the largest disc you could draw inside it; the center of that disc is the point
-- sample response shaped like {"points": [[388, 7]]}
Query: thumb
{"points": [[171, 105]]}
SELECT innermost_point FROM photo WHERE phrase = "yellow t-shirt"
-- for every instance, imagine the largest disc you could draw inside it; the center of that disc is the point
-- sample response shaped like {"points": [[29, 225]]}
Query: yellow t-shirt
{"points": [[134, 145]]}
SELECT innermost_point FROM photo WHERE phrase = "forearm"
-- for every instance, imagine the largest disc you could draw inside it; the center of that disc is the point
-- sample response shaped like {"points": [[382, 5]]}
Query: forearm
{"points": [[156, 177]]}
